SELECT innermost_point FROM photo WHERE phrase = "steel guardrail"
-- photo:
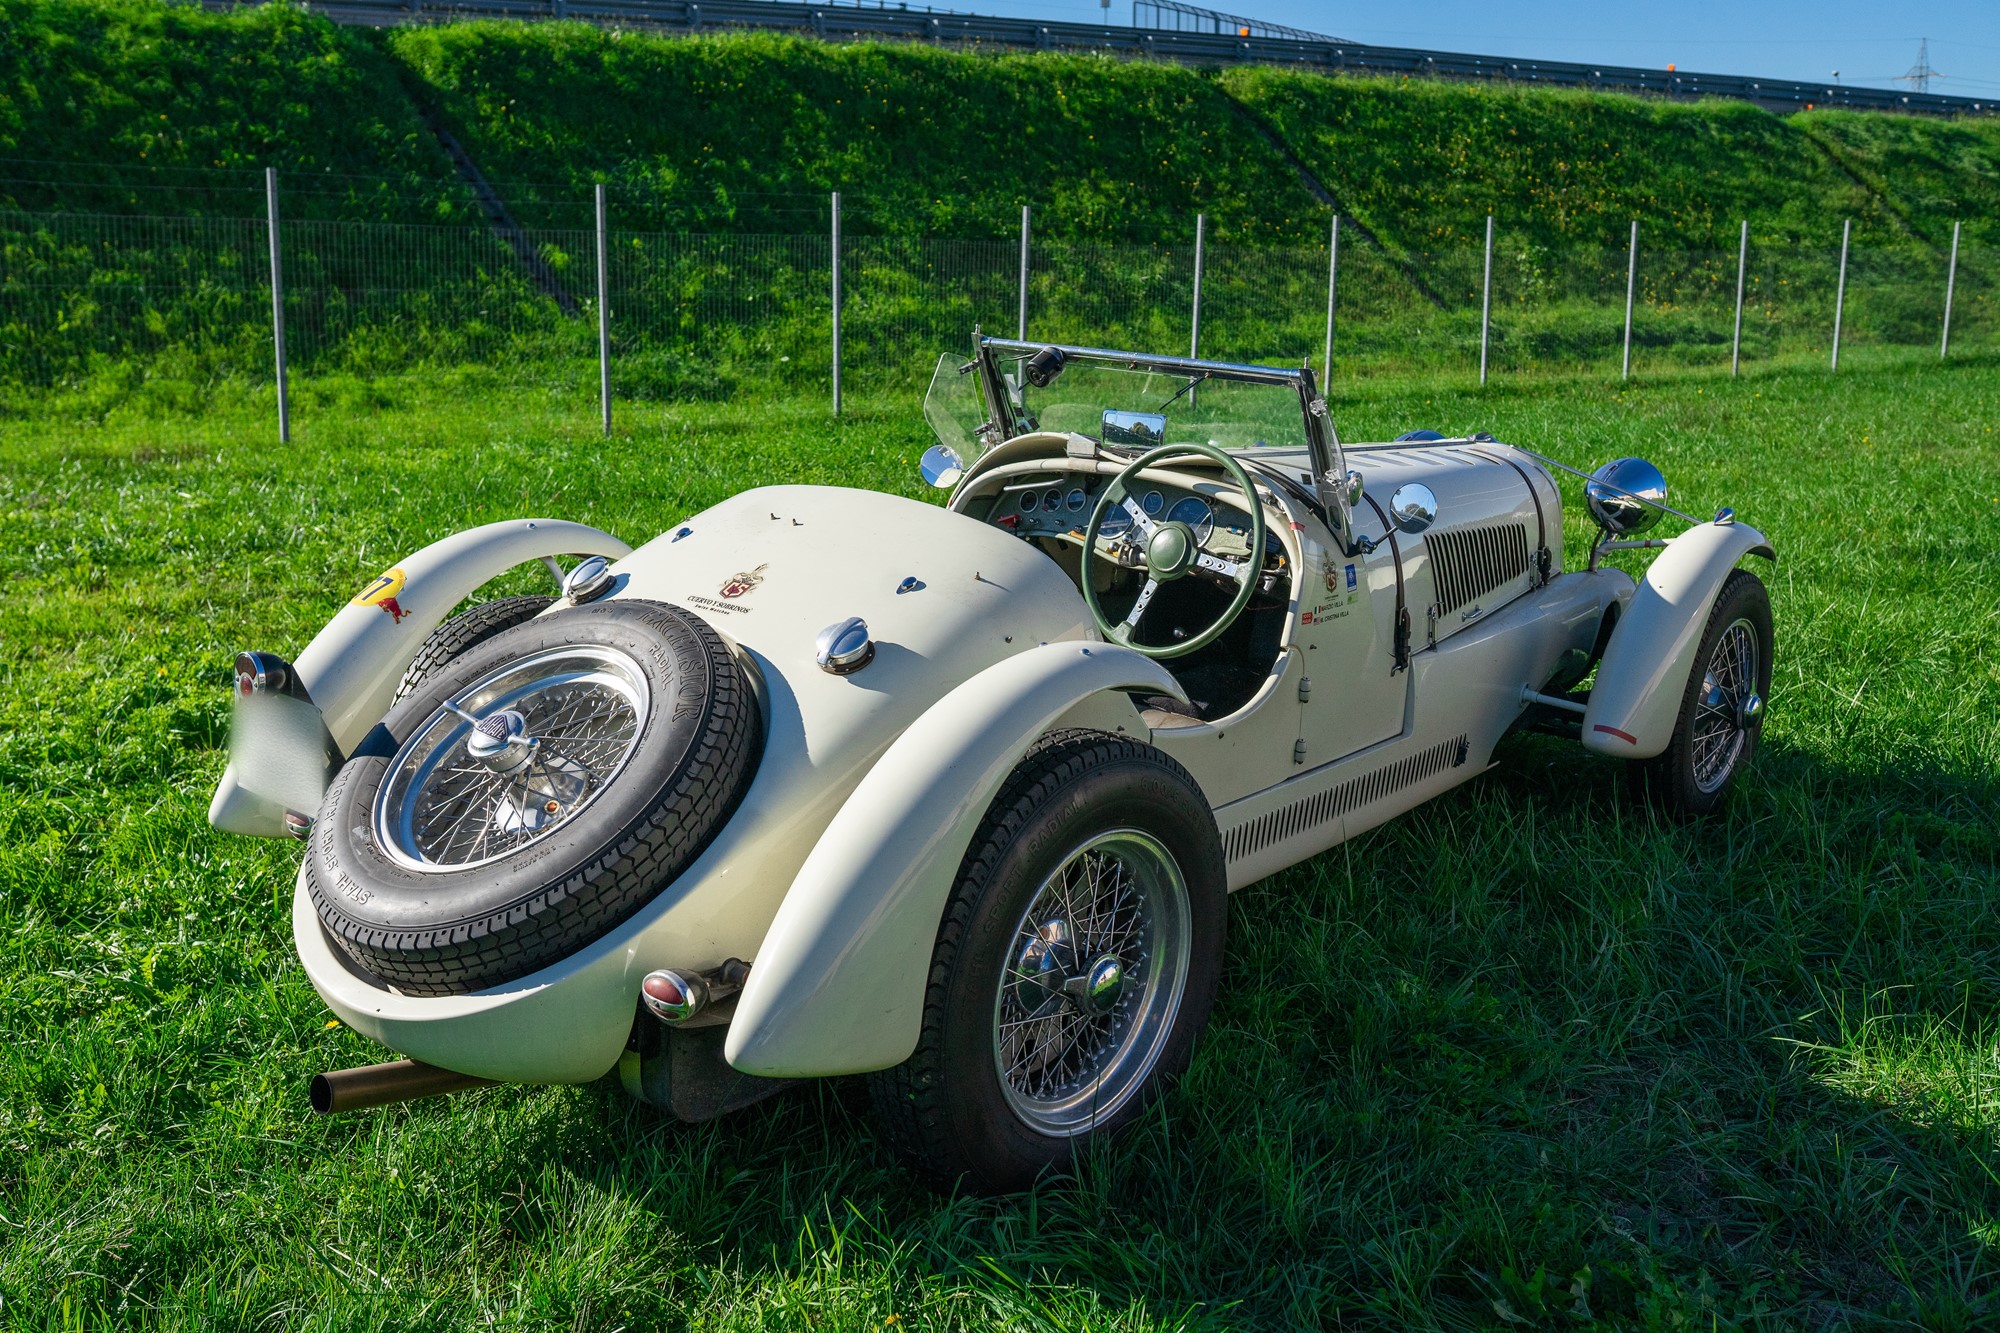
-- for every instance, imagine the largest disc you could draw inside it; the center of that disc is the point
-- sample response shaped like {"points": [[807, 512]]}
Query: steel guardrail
{"points": [[855, 22]]}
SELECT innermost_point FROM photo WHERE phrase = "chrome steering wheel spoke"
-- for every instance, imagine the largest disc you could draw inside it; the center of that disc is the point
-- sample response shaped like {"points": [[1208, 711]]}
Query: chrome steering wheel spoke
{"points": [[1233, 570], [1131, 621], [1142, 522]]}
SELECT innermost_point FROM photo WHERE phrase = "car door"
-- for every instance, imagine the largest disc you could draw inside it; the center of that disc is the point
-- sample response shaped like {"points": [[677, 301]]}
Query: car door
{"points": [[1355, 691]]}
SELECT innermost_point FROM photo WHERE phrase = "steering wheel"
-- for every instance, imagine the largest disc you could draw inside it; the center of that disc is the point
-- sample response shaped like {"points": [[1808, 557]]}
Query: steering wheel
{"points": [[1172, 551]]}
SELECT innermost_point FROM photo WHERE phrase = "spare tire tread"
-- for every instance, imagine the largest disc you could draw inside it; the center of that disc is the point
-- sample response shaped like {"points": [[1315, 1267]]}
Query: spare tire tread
{"points": [[587, 903], [466, 631]]}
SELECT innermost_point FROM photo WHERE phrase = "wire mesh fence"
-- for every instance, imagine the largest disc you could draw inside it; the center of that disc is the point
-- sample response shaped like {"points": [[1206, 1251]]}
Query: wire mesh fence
{"points": [[706, 314]]}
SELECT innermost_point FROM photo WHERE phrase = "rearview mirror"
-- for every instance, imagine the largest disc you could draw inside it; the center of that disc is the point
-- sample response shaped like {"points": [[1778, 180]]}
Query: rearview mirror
{"points": [[1143, 429]]}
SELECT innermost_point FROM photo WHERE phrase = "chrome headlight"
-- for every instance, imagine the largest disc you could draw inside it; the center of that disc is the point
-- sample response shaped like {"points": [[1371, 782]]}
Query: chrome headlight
{"points": [[1625, 494]]}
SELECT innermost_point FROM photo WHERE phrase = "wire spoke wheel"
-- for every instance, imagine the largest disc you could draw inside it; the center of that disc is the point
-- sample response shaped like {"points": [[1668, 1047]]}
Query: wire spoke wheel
{"points": [[1092, 982], [511, 757], [1722, 708], [1721, 730]]}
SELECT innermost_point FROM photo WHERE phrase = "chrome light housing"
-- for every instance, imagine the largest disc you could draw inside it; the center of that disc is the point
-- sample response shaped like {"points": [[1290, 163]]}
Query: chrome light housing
{"points": [[674, 997], [1625, 496]]}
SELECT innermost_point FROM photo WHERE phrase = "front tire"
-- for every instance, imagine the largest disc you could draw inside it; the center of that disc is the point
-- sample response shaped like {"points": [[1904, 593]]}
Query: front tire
{"points": [[1074, 968], [1722, 709]]}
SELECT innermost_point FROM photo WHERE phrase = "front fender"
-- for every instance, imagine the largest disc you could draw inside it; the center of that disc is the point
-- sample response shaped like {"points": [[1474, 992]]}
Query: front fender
{"points": [[352, 667], [1637, 694], [838, 983]]}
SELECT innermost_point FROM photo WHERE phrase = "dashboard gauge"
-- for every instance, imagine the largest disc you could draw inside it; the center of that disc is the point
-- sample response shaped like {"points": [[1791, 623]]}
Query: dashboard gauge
{"points": [[1028, 502], [1075, 501], [1052, 500], [1116, 522], [1194, 512], [1152, 504]]}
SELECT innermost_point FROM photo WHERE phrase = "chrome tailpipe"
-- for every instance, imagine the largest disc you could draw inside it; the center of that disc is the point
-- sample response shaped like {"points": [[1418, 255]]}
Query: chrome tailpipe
{"points": [[340, 1090]]}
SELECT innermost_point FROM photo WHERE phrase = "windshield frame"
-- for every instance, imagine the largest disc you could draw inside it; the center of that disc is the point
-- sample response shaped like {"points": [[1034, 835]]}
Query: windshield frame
{"points": [[1329, 469]]}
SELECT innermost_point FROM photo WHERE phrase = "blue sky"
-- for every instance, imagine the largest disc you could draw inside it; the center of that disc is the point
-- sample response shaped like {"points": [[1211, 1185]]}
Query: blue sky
{"points": [[1867, 41]]}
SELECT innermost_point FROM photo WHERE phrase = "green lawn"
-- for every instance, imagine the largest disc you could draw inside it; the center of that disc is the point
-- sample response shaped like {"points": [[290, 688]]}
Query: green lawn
{"points": [[1527, 1055]]}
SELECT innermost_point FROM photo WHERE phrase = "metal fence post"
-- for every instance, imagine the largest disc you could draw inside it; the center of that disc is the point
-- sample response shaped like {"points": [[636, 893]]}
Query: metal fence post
{"points": [[1742, 262], [1486, 299], [836, 303], [1950, 282], [1840, 291], [603, 319], [1021, 325], [1332, 289], [1631, 286], [277, 302], [1194, 327]]}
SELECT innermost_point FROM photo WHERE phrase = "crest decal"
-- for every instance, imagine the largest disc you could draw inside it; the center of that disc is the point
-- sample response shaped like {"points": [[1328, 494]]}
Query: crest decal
{"points": [[737, 584]]}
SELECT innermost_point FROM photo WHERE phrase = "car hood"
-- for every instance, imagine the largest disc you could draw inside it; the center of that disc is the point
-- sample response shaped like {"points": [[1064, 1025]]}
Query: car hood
{"points": [[944, 595]]}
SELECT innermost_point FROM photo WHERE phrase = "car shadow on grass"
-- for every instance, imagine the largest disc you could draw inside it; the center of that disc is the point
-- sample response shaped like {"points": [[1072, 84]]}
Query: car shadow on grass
{"points": [[1529, 1053]]}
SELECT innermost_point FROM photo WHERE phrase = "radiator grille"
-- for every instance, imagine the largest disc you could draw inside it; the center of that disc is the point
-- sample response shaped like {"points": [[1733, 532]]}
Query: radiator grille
{"points": [[1468, 563], [1311, 811]]}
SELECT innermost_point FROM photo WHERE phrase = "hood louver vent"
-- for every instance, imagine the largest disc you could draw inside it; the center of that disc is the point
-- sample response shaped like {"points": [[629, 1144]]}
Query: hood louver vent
{"points": [[1310, 811], [1468, 563]]}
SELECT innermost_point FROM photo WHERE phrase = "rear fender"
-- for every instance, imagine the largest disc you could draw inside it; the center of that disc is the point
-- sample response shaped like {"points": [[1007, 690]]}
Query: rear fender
{"points": [[1637, 694], [838, 983], [349, 672]]}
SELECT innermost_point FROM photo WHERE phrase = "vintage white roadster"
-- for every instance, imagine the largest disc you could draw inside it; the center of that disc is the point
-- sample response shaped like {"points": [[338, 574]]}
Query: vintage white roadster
{"points": [[823, 781]]}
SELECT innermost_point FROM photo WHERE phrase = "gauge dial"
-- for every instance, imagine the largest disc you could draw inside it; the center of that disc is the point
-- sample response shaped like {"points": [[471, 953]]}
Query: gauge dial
{"points": [[1052, 500], [1029, 500], [1075, 501], [1116, 522], [1153, 503], [1194, 512]]}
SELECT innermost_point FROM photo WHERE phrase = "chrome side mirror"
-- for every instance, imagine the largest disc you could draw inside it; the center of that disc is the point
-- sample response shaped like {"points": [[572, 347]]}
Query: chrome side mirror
{"points": [[1625, 496], [1413, 507], [941, 466]]}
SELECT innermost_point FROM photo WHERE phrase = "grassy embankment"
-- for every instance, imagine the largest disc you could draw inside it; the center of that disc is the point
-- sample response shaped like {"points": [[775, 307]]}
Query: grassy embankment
{"points": [[744, 136], [1528, 1052]]}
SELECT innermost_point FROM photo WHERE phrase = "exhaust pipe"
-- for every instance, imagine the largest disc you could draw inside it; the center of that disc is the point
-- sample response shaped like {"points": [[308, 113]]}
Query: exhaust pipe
{"points": [[340, 1090]]}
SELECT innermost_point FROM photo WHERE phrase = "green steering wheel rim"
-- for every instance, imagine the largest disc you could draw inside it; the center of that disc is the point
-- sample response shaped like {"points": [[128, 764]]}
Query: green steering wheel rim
{"points": [[1116, 490]]}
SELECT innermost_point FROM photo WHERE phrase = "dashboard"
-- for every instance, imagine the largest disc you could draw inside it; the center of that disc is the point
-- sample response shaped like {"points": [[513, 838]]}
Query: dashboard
{"points": [[1059, 506]]}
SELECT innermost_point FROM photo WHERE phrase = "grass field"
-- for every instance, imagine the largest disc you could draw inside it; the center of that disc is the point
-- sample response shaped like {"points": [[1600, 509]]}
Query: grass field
{"points": [[1526, 1056]]}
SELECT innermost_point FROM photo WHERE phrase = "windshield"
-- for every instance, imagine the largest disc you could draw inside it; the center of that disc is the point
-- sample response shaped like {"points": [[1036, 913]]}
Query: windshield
{"points": [[954, 409], [1115, 404], [1142, 408]]}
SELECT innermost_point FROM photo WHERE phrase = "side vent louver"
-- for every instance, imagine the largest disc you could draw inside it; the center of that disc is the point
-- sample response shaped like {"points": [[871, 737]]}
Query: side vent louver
{"points": [[1310, 811], [1468, 563]]}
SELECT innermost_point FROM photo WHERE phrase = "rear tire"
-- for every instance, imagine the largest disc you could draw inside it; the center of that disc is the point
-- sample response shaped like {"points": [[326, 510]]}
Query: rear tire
{"points": [[1722, 709], [1098, 851]]}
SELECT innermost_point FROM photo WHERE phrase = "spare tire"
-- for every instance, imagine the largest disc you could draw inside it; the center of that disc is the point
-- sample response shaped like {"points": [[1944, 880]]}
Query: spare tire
{"points": [[531, 794]]}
